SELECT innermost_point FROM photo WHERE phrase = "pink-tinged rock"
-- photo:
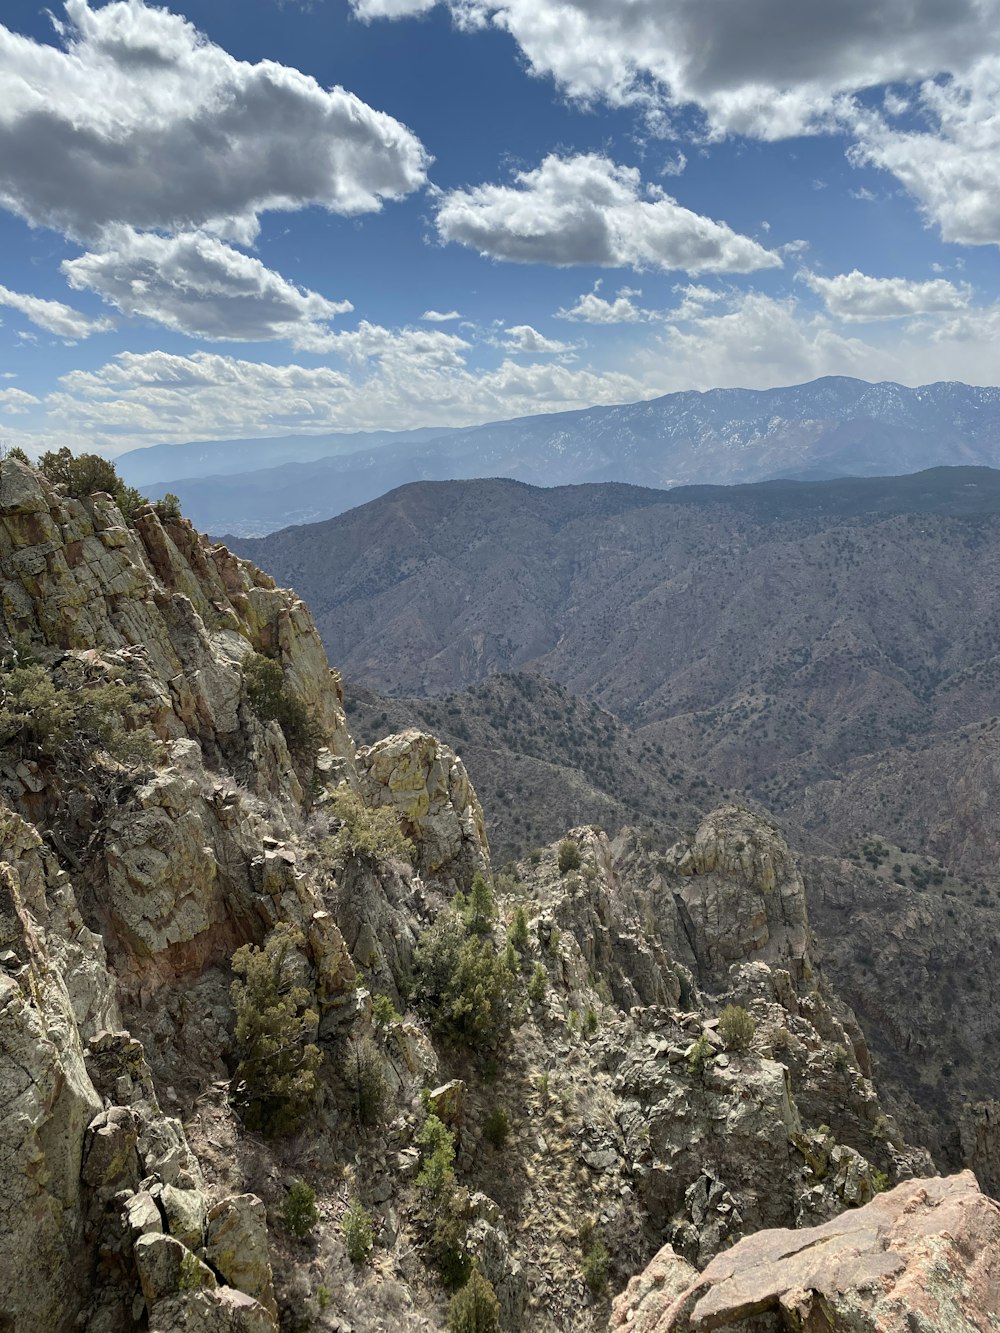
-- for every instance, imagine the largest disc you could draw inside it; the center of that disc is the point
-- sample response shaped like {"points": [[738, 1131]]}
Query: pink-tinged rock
{"points": [[924, 1256]]}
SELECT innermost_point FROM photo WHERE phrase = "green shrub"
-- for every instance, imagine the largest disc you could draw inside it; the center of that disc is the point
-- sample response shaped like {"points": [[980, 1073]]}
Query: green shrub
{"points": [[81, 474], [519, 930], [480, 908], [15, 451], [538, 984], [496, 1127], [700, 1056], [475, 1308], [384, 1012], [61, 714], [299, 1211], [590, 1021], [535, 856], [277, 1060], [272, 701], [436, 1178], [367, 1077], [358, 1231], [594, 1267], [168, 509], [86, 474], [466, 987], [737, 1028], [372, 833], [569, 856]]}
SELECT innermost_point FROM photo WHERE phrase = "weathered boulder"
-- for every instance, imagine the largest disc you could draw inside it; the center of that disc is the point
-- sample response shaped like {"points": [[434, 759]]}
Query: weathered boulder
{"points": [[426, 782], [236, 1246], [740, 895], [924, 1256]]}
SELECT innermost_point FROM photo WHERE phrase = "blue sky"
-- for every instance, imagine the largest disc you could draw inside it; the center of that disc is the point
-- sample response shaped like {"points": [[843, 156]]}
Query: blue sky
{"points": [[244, 217]]}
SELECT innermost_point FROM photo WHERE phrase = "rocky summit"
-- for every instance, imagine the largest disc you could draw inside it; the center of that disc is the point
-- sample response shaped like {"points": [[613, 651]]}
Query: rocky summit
{"points": [[280, 1048]]}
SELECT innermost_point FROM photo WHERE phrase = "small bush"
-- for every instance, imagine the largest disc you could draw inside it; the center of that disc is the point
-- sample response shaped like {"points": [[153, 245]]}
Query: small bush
{"points": [[519, 930], [594, 1267], [371, 833], [15, 451], [277, 1060], [384, 1012], [736, 1028], [496, 1127], [538, 984], [299, 1211], [535, 856], [359, 1233], [474, 1309], [700, 1056], [272, 701], [590, 1021], [569, 857], [367, 1077], [168, 509]]}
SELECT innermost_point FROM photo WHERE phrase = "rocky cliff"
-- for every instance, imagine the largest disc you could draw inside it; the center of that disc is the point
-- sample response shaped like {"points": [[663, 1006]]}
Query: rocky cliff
{"points": [[543, 1074]]}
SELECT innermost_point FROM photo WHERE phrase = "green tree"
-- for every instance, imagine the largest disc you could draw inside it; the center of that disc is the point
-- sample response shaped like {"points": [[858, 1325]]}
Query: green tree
{"points": [[481, 906], [86, 474], [519, 930], [475, 1308], [496, 1127], [436, 1178], [277, 1059]]}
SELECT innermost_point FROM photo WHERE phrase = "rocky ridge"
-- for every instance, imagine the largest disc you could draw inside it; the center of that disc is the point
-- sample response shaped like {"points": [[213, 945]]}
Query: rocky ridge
{"points": [[133, 1195]]}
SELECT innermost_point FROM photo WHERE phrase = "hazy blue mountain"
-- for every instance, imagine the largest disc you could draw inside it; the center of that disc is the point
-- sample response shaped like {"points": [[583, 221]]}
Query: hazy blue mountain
{"points": [[220, 458], [832, 427]]}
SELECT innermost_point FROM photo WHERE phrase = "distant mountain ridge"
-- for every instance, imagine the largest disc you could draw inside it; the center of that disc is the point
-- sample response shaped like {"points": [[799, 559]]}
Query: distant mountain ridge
{"points": [[831, 427]]}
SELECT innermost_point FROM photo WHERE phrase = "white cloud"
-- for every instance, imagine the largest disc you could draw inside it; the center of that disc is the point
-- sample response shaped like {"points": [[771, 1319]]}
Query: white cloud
{"points": [[143, 121], [15, 401], [589, 210], [524, 339], [53, 316], [857, 297], [770, 68], [147, 397], [593, 309], [439, 317], [196, 284], [952, 170]]}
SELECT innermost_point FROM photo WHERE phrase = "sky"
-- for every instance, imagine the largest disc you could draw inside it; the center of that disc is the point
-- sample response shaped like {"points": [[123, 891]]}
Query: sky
{"points": [[230, 218]]}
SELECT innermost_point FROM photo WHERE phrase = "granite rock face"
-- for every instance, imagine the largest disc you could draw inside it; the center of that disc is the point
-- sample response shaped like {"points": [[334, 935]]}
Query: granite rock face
{"points": [[924, 1256], [426, 783]]}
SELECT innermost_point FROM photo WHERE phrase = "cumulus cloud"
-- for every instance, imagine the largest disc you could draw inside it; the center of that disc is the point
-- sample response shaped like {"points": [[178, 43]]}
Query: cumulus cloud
{"points": [[158, 396], [952, 170], [53, 316], [770, 68], [440, 317], [589, 210], [527, 340], [16, 401], [138, 119], [196, 284], [857, 297], [590, 308]]}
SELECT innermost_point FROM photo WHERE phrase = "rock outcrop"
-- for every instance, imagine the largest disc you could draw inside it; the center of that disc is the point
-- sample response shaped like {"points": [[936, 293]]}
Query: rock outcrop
{"points": [[924, 1256]]}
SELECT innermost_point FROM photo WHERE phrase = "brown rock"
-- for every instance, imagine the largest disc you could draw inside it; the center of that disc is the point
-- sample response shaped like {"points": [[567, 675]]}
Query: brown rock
{"points": [[924, 1256]]}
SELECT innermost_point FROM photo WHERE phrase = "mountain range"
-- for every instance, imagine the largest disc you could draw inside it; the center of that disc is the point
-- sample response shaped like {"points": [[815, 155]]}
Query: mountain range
{"points": [[831, 427]]}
